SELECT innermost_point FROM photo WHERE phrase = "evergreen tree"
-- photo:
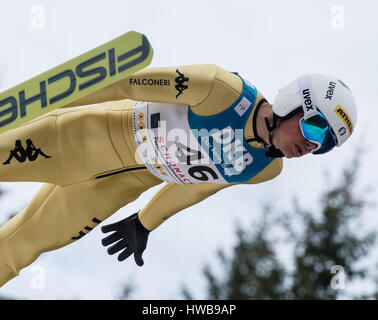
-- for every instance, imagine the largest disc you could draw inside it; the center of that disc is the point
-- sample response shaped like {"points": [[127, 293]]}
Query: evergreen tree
{"points": [[325, 240], [253, 272], [330, 241]]}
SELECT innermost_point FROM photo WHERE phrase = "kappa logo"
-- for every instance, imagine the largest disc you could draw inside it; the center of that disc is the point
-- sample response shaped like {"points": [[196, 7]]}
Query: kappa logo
{"points": [[345, 118], [331, 89], [180, 86], [307, 99], [21, 154]]}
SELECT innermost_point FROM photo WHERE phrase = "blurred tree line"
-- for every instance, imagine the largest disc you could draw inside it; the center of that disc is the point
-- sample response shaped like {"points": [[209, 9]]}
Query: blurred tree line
{"points": [[325, 251], [326, 248]]}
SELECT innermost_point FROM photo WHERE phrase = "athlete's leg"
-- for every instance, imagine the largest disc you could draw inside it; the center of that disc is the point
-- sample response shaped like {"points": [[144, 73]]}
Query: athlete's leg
{"points": [[58, 215], [62, 147]]}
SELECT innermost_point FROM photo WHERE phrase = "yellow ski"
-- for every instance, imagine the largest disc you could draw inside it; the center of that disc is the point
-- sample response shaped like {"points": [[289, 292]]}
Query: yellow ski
{"points": [[74, 79]]}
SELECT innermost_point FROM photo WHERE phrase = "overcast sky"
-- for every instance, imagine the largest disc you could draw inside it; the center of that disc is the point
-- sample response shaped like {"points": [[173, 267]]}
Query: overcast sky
{"points": [[268, 42]]}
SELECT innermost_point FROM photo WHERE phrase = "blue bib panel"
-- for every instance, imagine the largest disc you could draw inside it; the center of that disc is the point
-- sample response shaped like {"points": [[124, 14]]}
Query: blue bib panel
{"points": [[237, 161]]}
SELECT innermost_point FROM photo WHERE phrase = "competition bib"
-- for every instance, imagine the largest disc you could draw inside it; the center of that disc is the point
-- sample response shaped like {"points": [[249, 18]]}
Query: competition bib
{"points": [[179, 146]]}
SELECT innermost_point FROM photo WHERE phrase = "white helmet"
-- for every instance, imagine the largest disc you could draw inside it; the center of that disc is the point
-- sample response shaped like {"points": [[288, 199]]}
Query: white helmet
{"points": [[320, 92]]}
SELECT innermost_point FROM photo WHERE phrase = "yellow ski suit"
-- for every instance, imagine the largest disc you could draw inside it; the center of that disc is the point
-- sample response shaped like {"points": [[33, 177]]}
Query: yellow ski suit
{"points": [[86, 155]]}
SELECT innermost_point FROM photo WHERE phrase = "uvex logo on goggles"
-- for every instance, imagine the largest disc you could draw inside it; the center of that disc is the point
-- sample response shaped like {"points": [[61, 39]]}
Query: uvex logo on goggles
{"points": [[345, 117]]}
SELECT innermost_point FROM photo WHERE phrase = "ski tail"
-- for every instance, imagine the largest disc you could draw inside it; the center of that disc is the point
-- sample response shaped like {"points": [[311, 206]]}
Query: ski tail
{"points": [[74, 79]]}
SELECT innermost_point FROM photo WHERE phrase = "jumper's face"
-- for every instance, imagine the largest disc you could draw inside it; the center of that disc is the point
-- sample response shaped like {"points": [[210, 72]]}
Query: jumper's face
{"points": [[289, 138]]}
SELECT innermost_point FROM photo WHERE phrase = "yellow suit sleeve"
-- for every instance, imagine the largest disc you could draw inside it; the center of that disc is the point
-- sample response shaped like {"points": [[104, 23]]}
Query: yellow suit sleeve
{"points": [[200, 83], [173, 197]]}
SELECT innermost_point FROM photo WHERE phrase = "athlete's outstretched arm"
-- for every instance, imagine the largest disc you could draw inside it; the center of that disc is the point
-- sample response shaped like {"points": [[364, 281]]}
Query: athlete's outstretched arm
{"points": [[130, 235], [188, 85], [172, 198]]}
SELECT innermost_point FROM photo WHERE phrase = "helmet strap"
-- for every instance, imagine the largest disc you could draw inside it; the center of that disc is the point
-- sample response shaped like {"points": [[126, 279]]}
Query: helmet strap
{"points": [[273, 151], [272, 127]]}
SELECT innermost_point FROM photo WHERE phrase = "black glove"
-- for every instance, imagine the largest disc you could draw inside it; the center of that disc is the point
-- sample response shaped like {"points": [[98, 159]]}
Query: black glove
{"points": [[129, 235]]}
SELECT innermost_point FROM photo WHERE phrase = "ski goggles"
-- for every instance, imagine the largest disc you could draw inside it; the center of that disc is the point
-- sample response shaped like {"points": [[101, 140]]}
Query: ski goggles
{"points": [[317, 130]]}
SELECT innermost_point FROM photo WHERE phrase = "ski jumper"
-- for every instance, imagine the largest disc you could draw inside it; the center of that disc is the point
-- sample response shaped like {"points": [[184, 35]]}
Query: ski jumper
{"points": [[91, 159]]}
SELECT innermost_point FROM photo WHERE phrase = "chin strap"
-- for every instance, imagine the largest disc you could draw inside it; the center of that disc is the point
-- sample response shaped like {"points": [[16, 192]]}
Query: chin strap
{"points": [[273, 126], [273, 152]]}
